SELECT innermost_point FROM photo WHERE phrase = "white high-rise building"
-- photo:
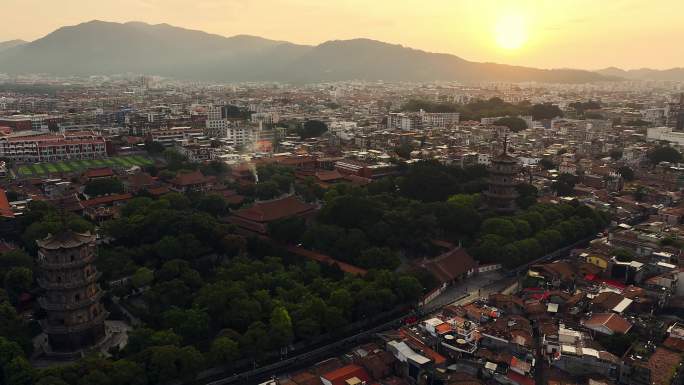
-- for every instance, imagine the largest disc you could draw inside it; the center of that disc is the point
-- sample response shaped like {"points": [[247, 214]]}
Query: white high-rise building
{"points": [[215, 113], [240, 135], [217, 128]]}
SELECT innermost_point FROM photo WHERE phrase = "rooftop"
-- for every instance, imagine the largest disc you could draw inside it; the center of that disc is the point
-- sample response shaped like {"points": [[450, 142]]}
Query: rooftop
{"points": [[65, 240], [274, 209]]}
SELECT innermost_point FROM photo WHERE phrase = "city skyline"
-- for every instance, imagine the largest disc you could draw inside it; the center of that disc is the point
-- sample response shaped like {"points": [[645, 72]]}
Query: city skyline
{"points": [[559, 34]]}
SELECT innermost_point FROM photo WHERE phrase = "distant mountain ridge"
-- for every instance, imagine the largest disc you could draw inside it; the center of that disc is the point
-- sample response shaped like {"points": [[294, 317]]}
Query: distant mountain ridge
{"points": [[672, 74], [99, 47], [5, 45]]}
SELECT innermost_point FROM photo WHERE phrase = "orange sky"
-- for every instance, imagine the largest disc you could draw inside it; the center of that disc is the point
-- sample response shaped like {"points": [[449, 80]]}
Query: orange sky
{"points": [[587, 34]]}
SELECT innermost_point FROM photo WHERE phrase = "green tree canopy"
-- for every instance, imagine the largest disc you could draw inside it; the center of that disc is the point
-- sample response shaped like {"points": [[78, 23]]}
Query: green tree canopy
{"points": [[14, 258], [616, 154], [312, 129], [626, 172], [142, 277], [581, 107], [545, 111], [224, 350], [281, 332], [104, 186], [18, 280], [565, 185], [664, 154], [515, 124]]}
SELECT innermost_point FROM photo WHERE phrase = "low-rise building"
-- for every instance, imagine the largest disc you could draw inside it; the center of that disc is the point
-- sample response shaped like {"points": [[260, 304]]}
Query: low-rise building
{"points": [[36, 147]]}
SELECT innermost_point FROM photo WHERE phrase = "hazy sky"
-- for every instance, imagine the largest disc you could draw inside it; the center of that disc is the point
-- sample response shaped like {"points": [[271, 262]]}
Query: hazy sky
{"points": [[588, 34]]}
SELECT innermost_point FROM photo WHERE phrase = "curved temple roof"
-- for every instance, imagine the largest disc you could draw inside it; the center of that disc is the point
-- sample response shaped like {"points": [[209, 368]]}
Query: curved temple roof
{"points": [[65, 240]]}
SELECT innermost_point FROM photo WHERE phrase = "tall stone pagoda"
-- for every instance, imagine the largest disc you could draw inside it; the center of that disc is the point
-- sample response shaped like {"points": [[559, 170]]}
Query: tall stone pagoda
{"points": [[503, 171], [75, 316]]}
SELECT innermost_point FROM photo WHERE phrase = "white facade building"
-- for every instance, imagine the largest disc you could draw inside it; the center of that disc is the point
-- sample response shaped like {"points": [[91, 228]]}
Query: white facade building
{"points": [[240, 135], [439, 119], [217, 128], [214, 112], [33, 146], [666, 134], [265, 117], [404, 121], [654, 115]]}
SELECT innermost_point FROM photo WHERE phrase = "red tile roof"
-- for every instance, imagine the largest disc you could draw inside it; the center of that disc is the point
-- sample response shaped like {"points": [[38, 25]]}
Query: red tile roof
{"points": [[611, 321], [140, 180], [107, 199], [328, 176], [5, 209], [274, 210], [65, 240], [520, 379], [232, 197], [607, 300], [347, 268], [450, 265], [189, 178], [157, 191], [663, 364], [339, 376], [564, 270], [99, 172], [674, 343], [357, 180]]}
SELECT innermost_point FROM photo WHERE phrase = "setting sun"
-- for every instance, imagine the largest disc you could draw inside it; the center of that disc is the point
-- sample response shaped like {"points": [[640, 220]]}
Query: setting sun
{"points": [[510, 32]]}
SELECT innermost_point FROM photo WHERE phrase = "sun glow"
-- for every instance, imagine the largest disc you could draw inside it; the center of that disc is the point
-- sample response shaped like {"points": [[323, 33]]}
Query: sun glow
{"points": [[510, 32]]}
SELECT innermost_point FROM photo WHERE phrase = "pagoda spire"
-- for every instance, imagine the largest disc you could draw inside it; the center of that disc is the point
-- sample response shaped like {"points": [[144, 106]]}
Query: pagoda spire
{"points": [[75, 315], [503, 172]]}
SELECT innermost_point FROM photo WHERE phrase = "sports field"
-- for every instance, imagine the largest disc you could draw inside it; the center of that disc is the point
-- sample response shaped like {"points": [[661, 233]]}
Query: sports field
{"points": [[42, 169]]}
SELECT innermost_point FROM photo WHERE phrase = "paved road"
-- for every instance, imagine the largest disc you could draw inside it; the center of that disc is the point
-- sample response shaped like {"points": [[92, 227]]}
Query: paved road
{"points": [[468, 290]]}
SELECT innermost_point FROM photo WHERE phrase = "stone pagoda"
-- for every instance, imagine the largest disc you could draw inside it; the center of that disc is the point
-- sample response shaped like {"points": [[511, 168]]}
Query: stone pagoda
{"points": [[503, 171], [75, 317]]}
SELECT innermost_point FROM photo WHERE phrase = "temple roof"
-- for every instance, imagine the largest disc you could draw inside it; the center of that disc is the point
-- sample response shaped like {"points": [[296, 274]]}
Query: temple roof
{"points": [[450, 265], [275, 210], [65, 240], [189, 178]]}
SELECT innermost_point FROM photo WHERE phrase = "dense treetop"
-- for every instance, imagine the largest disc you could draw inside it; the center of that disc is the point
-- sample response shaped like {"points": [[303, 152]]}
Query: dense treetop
{"points": [[664, 154], [493, 107], [311, 129], [513, 123]]}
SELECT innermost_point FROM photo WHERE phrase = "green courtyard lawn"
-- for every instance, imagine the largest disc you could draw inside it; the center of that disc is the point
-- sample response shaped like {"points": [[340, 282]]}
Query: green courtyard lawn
{"points": [[25, 170], [70, 166]]}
